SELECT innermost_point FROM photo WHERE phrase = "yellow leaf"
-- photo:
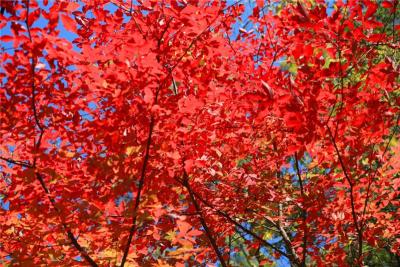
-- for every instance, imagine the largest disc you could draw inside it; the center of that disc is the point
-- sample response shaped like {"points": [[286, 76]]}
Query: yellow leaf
{"points": [[69, 154], [110, 253], [132, 150], [161, 263], [171, 235], [267, 235]]}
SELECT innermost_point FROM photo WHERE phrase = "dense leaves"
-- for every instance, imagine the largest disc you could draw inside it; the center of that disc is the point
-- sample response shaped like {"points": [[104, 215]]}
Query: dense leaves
{"points": [[193, 133]]}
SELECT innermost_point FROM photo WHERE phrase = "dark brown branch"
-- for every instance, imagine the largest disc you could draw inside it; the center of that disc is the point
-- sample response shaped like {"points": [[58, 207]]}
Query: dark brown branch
{"points": [[39, 177], [228, 38], [17, 162], [288, 244], [159, 42], [203, 221], [33, 87], [275, 48], [396, 2], [146, 158], [238, 225], [144, 167], [230, 248], [139, 192], [143, 171], [124, 8], [303, 211], [351, 185], [232, 5], [339, 50], [70, 235], [292, 256], [131, 8], [148, 144], [194, 40]]}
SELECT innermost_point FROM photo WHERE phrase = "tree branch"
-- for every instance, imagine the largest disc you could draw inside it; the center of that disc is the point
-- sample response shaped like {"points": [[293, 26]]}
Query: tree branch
{"points": [[353, 210], [70, 235], [203, 221], [39, 177], [288, 244], [371, 180], [139, 192], [238, 225], [17, 162], [303, 211]]}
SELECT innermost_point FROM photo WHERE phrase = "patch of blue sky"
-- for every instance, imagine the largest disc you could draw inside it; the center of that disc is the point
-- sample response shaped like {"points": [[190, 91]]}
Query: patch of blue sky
{"points": [[5, 205], [330, 7], [11, 148], [70, 36], [81, 152], [111, 7], [92, 105], [85, 116], [125, 197], [242, 21], [56, 142], [41, 22]]}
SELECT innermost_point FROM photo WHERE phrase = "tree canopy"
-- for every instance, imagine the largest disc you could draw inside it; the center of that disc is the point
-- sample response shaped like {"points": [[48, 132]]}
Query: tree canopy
{"points": [[199, 133]]}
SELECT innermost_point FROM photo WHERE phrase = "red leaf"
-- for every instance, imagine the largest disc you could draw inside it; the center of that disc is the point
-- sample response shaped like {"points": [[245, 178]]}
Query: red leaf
{"points": [[72, 6], [260, 3], [148, 95], [190, 104], [183, 227], [6, 38], [188, 165], [194, 232], [372, 7], [387, 4], [68, 23]]}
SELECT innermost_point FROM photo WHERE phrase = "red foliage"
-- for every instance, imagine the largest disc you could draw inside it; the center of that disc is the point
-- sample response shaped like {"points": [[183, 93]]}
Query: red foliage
{"points": [[154, 130]]}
